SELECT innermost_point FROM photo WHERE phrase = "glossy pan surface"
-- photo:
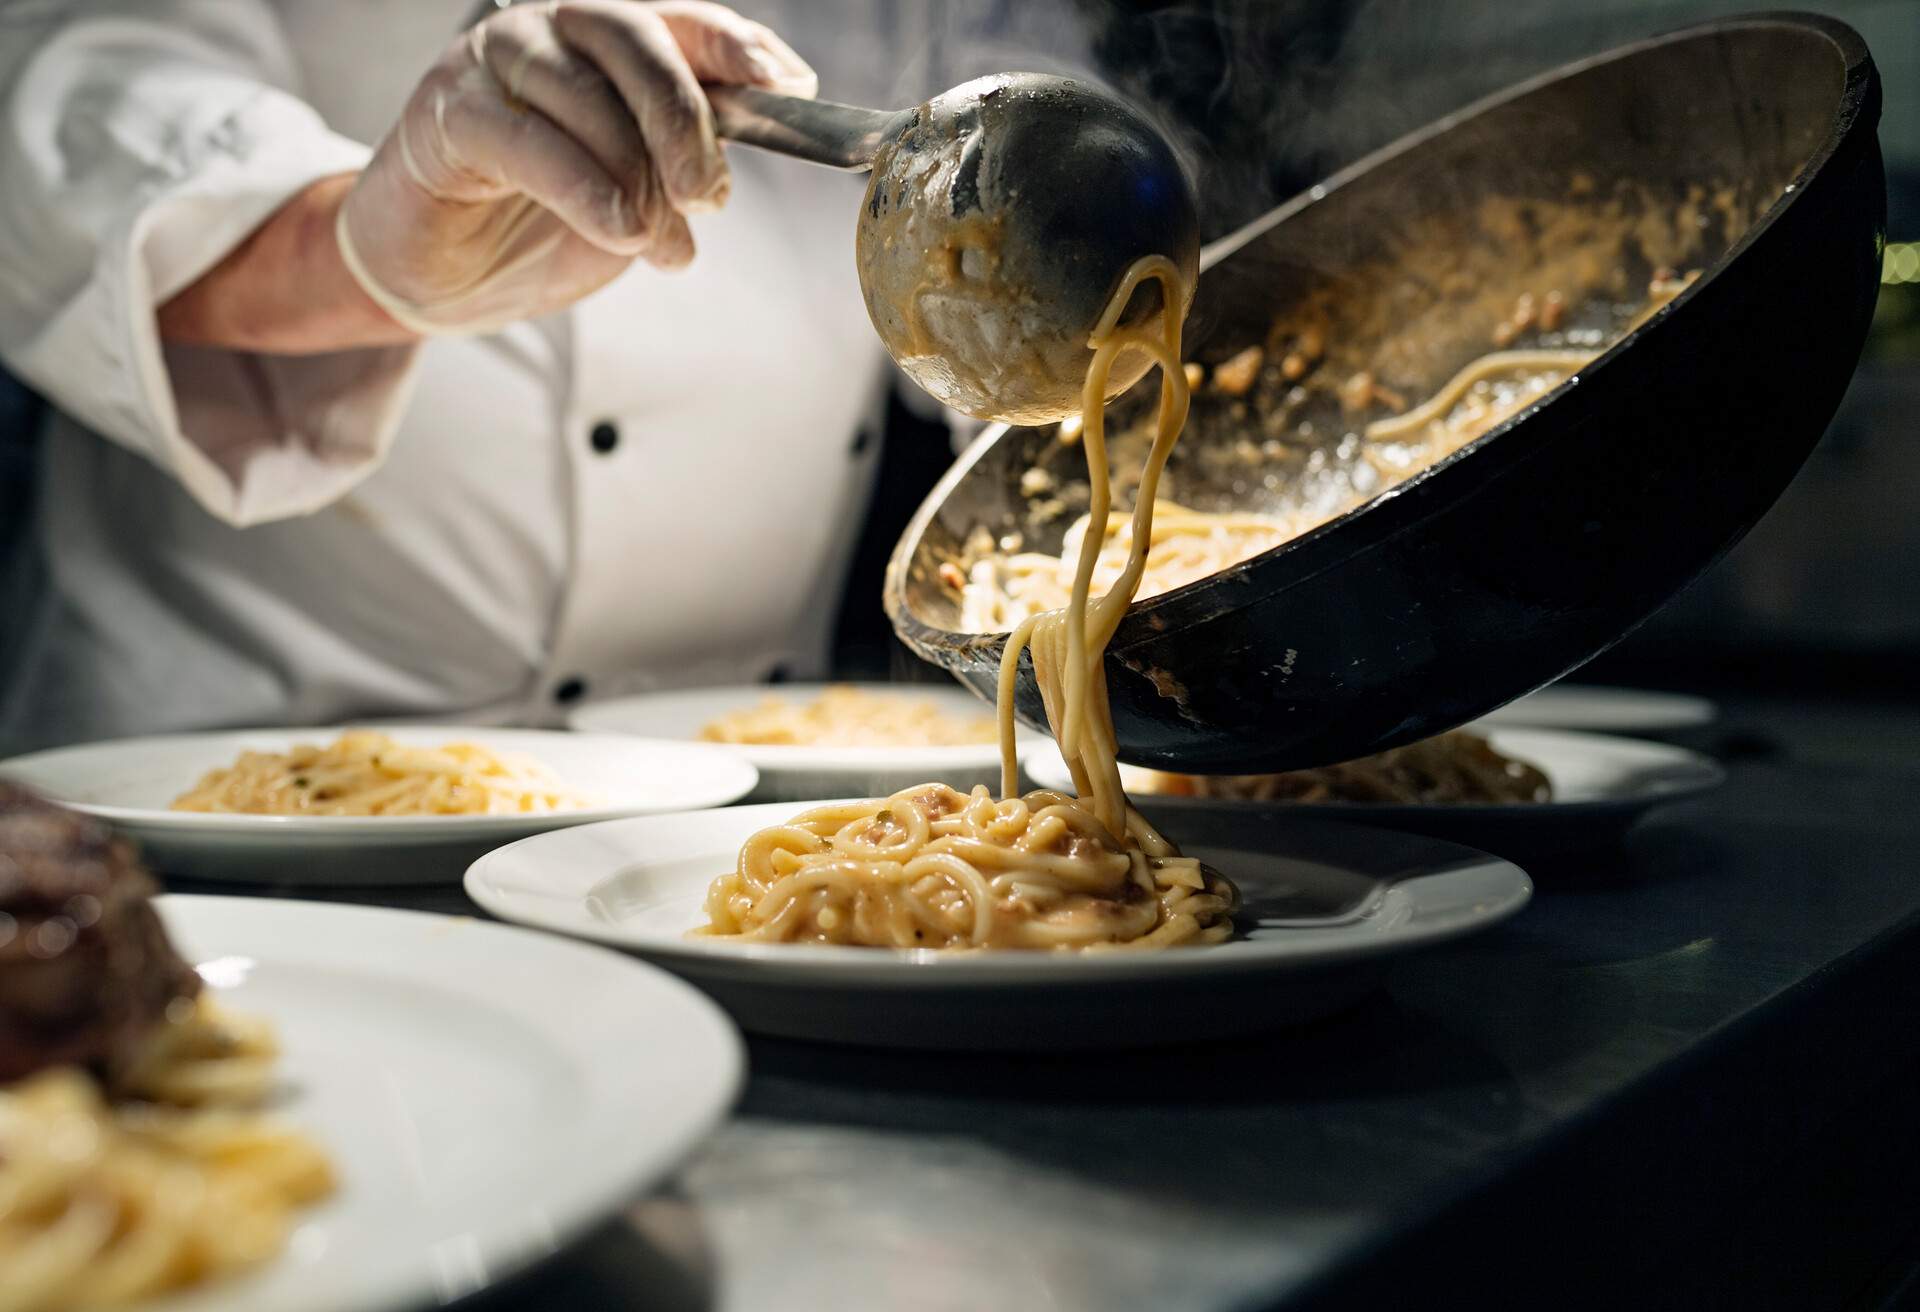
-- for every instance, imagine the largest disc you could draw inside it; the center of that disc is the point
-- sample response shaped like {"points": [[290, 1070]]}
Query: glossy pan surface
{"points": [[1743, 149]]}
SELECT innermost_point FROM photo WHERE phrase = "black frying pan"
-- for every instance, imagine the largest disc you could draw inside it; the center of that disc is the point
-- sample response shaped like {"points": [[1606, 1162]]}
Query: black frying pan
{"points": [[1749, 142]]}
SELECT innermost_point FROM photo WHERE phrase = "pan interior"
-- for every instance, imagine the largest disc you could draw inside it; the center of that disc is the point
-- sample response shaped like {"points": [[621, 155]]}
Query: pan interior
{"points": [[1586, 193]]}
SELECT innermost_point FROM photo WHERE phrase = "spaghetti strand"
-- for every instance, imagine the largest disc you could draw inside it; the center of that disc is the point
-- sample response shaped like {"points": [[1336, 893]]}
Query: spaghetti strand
{"points": [[930, 867]]}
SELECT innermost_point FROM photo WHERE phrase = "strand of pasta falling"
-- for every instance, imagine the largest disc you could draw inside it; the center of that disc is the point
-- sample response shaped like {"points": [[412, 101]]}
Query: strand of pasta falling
{"points": [[1085, 734], [1566, 362]]}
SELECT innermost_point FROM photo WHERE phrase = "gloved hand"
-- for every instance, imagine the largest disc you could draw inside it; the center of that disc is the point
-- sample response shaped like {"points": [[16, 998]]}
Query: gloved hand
{"points": [[550, 147]]}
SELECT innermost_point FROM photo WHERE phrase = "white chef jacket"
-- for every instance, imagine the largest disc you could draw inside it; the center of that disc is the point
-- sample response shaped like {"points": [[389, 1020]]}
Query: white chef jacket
{"points": [[659, 487]]}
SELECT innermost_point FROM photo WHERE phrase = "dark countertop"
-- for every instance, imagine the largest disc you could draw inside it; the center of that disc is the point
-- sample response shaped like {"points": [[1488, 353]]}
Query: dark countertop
{"points": [[1684, 1076]]}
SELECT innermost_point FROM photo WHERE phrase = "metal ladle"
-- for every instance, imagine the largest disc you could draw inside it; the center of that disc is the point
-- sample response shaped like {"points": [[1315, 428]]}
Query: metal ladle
{"points": [[999, 220]]}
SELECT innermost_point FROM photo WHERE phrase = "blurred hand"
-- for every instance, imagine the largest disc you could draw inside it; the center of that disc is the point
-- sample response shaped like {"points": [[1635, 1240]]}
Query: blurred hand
{"points": [[549, 148]]}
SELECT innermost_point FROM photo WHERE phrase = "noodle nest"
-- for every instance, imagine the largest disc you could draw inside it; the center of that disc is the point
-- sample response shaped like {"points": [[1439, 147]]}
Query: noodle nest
{"points": [[932, 867]]}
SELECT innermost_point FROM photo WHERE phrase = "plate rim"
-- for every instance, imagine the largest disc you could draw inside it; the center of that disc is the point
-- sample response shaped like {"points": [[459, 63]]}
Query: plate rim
{"points": [[926, 968], [1709, 775], [221, 824], [575, 1204]]}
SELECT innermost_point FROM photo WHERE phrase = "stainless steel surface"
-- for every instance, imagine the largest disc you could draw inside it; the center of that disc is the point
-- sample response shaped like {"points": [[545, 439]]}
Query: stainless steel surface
{"points": [[1001, 217], [996, 230], [818, 131], [1693, 1046]]}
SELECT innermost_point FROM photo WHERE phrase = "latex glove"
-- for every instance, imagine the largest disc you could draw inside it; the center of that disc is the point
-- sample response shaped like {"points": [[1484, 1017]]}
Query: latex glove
{"points": [[550, 147]]}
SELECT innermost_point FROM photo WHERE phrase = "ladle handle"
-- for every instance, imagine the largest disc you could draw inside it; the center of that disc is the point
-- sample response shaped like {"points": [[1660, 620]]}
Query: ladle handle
{"points": [[818, 131]]}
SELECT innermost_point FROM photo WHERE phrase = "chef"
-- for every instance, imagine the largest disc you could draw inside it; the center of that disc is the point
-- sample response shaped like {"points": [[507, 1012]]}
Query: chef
{"points": [[410, 360]]}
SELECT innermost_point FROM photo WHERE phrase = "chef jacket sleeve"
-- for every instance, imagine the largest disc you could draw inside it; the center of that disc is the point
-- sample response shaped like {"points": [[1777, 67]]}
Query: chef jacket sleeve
{"points": [[140, 142]]}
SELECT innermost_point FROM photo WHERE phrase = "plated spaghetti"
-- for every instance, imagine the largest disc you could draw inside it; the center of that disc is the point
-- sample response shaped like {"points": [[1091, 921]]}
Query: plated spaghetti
{"points": [[931, 867], [179, 1179], [846, 716], [1451, 769], [134, 1158], [364, 773]]}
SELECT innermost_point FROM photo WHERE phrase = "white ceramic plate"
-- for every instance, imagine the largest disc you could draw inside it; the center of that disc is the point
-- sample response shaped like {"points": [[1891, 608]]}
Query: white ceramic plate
{"points": [[1598, 709], [484, 1093], [795, 773], [1601, 785], [1366, 895], [130, 782]]}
